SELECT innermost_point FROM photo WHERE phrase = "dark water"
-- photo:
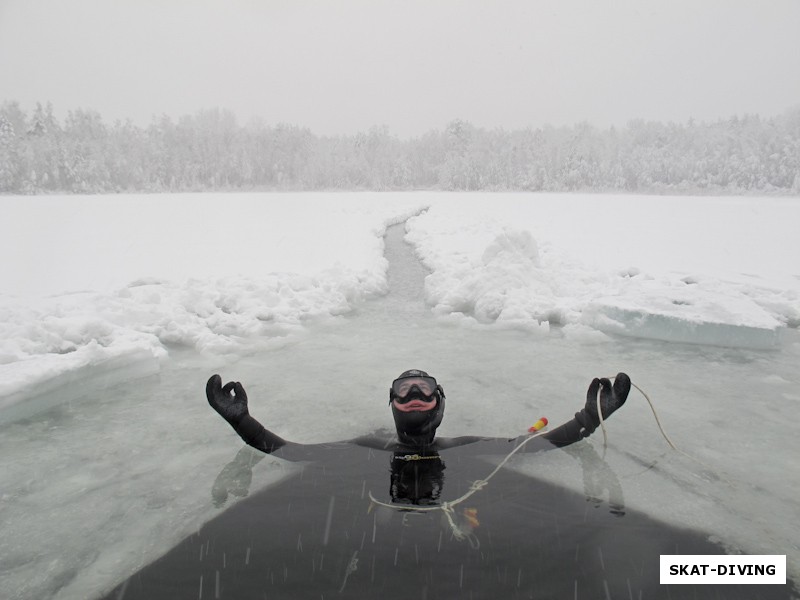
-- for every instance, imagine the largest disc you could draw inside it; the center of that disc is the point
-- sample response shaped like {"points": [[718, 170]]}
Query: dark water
{"points": [[317, 535]]}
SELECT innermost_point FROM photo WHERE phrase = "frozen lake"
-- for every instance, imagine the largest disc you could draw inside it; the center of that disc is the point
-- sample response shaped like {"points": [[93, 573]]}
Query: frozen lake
{"points": [[110, 452]]}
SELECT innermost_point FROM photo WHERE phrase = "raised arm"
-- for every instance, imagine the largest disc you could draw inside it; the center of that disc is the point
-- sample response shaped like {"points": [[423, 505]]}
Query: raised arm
{"points": [[230, 401], [587, 419]]}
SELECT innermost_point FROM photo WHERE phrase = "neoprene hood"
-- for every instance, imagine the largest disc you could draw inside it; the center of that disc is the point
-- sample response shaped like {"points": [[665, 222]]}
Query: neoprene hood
{"points": [[418, 427]]}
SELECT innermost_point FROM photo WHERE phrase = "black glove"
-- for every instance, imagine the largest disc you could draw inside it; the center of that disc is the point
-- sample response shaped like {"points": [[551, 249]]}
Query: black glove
{"points": [[231, 407], [611, 398]]}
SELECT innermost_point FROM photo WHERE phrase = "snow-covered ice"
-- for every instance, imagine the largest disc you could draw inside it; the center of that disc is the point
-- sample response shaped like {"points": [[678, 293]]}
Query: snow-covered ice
{"points": [[115, 309], [90, 278], [702, 270]]}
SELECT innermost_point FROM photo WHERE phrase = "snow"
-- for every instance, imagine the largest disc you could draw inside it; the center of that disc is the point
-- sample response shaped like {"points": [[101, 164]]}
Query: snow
{"points": [[679, 269], [99, 277], [116, 309], [233, 272]]}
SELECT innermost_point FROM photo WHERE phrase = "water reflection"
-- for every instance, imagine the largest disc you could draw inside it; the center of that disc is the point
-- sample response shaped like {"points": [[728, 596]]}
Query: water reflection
{"points": [[236, 477]]}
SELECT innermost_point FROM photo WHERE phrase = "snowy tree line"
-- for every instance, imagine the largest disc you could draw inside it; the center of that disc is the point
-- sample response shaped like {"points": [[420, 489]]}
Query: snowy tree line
{"points": [[211, 151]]}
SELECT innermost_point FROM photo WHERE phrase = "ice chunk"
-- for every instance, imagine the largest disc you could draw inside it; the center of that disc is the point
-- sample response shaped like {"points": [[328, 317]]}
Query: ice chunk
{"points": [[675, 328], [698, 313], [41, 382]]}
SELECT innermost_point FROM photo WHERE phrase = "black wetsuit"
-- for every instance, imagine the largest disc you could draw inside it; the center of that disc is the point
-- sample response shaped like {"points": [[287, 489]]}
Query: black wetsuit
{"points": [[349, 524], [319, 535], [257, 436]]}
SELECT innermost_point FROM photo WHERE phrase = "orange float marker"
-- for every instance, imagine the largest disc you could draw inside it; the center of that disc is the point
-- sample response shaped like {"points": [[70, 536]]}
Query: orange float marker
{"points": [[471, 515], [539, 425]]}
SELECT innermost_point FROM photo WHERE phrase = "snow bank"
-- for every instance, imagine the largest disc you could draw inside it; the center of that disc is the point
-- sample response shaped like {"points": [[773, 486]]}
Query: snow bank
{"points": [[226, 290], [93, 282], [524, 260]]}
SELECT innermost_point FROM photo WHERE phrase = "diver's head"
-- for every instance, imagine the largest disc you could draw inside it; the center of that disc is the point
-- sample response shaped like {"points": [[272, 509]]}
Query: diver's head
{"points": [[417, 406]]}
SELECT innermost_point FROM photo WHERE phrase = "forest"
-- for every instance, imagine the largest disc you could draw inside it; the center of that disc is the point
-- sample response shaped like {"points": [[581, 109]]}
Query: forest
{"points": [[211, 151]]}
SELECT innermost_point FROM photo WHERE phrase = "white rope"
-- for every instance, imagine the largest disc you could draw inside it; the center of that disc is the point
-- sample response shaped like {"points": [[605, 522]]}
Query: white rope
{"points": [[666, 437], [655, 415], [602, 421], [447, 507], [658, 421]]}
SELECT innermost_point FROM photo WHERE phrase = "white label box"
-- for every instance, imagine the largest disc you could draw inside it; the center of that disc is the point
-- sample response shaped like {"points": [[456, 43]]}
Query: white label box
{"points": [[723, 568]]}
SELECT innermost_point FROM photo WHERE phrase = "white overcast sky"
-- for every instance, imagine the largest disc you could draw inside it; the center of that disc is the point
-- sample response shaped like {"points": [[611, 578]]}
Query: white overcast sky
{"points": [[341, 66]]}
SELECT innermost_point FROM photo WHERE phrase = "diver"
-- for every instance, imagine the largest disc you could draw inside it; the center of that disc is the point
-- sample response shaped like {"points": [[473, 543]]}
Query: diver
{"points": [[417, 402]]}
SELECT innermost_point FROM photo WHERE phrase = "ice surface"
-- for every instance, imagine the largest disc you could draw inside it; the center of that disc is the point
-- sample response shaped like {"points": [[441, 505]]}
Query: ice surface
{"points": [[601, 261], [231, 273], [219, 274], [110, 451]]}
